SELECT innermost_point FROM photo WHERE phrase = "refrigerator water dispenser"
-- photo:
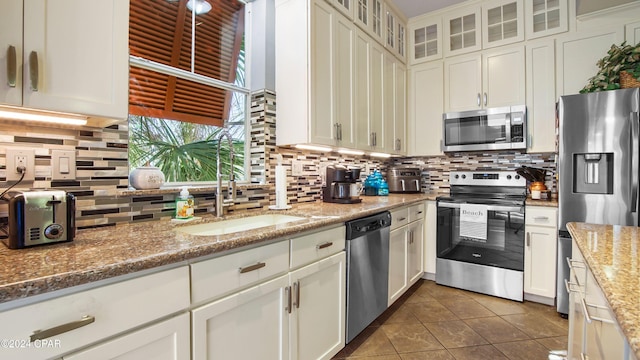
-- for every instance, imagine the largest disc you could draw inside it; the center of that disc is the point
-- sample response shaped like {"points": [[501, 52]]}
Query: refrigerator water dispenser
{"points": [[593, 173]]}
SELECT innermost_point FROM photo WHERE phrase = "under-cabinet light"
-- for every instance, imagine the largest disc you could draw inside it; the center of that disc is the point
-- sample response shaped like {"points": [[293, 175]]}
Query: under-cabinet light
{"points": [[13, 113], [351, 152], [313, 147], [380, 155]]}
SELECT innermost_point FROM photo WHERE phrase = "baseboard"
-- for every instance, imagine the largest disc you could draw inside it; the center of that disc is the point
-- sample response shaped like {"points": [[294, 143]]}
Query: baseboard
{"points": [[429, 276], [540, 299]]}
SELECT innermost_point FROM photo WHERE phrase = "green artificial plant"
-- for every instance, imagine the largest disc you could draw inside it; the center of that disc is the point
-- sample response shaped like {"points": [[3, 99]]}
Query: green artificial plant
{"points": [[619, 58]]}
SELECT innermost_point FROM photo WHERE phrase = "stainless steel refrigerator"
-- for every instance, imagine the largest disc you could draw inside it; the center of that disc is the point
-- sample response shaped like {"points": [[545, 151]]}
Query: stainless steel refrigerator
{"points": [[598, 167]]}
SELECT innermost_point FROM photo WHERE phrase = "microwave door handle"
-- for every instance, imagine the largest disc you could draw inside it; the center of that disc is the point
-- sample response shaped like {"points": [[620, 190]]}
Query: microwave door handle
{"points": [[634, 161]]}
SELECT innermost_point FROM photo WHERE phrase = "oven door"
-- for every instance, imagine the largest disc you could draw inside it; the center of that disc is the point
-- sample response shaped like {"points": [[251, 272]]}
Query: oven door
{"points": [[504, 243]]}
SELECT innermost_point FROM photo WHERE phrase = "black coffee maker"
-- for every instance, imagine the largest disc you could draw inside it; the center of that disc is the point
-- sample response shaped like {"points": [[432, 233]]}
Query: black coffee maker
{"points": [[341, 185]]}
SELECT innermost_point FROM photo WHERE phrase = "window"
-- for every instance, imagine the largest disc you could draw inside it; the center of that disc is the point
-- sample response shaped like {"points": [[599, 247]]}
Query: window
{"points": [[187, 84]]}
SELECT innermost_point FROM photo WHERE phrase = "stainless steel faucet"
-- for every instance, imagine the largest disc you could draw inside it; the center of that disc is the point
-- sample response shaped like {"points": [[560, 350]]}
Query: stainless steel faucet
{"points": [[221, 203]]}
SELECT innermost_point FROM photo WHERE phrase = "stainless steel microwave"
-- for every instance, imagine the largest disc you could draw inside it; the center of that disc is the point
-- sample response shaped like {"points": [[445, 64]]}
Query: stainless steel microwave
{"points": [[487, 129]]}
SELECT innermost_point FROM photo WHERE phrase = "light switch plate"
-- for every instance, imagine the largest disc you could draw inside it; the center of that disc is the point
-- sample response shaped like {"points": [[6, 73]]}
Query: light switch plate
{"points": [[17, 156], [63, 164]]}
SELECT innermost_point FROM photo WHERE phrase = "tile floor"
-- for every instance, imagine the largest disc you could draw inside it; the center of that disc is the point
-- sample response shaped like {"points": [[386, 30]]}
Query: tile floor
{"points": [[431, 321]]}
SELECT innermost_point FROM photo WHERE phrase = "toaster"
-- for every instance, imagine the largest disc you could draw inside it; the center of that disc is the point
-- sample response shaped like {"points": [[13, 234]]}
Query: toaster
{"points": [[39, 217], [404, 180]]}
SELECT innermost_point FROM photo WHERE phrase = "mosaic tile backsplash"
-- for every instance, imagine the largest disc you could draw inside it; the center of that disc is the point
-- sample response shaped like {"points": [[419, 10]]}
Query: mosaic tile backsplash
{"points": [[101, 183]]}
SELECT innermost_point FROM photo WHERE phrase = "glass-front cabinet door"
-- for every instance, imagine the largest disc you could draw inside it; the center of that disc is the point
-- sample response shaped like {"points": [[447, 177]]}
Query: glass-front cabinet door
{"points": [[425, 40], [362, 14], [502, 22], [462, 31], [344, 6], [546, 17], [377, 20]]}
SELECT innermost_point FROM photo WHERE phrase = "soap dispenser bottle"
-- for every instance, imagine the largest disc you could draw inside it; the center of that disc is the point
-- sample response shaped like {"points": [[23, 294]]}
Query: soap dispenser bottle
{"points": [[184, 204]]}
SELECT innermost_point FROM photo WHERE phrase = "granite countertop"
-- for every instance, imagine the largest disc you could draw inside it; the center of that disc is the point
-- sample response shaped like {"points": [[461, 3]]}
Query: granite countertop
{"points": [[99, 254], [553, 202], [613, 255]]}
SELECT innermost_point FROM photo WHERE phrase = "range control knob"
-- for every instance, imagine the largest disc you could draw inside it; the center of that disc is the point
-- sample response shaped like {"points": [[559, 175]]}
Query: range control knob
{"points": [[517, 177], [464, 176], [508, 177], [457, 176]]}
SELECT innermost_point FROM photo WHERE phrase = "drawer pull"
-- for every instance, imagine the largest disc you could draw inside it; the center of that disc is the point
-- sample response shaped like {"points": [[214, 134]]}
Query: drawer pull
{"points": [[541, 218], [253, 267], [324, 245], [60, 329], [402, 219], [419, 212], [590, 318]]}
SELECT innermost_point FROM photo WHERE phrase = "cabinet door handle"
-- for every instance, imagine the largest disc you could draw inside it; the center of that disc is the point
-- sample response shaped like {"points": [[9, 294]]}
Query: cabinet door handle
{"points": [[253, 267], [583, 356], [528, 239], [571, 263], [485, 99], [324, 245], [296, 289], [340, 131], [568, 286], [479, 100], [33, 70], [375, 139], [60, 329], [588, 318], [12, 66], [287, 294]]}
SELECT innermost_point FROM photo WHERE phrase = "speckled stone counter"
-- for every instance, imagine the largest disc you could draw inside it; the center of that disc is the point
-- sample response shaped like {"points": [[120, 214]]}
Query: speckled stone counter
{"points": [[99, 254], [613, 255], [553, 202]]}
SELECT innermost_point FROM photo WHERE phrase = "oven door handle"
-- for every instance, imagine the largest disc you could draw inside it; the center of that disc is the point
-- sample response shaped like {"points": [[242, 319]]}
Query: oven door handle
{"points": [[489, 207]]}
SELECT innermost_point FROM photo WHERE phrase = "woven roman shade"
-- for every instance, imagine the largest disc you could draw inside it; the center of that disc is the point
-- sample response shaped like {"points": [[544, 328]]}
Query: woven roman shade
{"points": [[160, 30]]}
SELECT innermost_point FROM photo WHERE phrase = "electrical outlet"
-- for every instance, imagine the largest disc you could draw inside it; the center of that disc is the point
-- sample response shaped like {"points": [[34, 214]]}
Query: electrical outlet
{"points": [[20, 157], [297, 168]]}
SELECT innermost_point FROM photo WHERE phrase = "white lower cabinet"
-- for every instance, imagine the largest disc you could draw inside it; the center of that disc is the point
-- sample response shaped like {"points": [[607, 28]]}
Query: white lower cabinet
{"points": [[430, 240], [593, 330], [405, 249], [297, 315], [167, 340], [68, 323], [250, 324], [317, 319], [541, 238]]}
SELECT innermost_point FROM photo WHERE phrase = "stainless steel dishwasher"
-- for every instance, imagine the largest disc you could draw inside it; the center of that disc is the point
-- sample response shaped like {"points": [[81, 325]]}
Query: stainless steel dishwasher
{"points": [[367, 271]]}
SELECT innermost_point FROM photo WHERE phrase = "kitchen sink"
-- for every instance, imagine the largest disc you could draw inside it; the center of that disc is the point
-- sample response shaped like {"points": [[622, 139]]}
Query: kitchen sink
{"points": [[240, 224]]}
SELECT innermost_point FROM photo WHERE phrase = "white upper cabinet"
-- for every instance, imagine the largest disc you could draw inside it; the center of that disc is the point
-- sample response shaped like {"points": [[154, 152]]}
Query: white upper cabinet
{"points": [[632, 33], [577, 55], [346, 7], [72, 55], [462, 32], [541, 95], [377, 20], [11, 52], [491, 79], [362, 13], [425, 108], [502, 22], [425, 40], [546, 17]]}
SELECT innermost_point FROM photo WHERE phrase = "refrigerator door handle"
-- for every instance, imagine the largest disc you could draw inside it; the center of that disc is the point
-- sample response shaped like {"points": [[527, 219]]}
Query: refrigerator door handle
{"points": [[635, 124]]}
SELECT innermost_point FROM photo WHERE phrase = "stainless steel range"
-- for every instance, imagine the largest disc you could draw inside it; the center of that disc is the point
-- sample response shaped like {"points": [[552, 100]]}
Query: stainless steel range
{"points": [[480, 233]]}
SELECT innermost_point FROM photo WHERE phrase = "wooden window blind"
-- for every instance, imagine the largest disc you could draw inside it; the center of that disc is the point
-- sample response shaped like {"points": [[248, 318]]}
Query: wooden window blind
{"points": [[160, 30]]}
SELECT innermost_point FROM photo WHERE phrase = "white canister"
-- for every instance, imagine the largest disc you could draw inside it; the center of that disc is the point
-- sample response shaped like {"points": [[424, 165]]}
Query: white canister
{"points": [[146, 177]]}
